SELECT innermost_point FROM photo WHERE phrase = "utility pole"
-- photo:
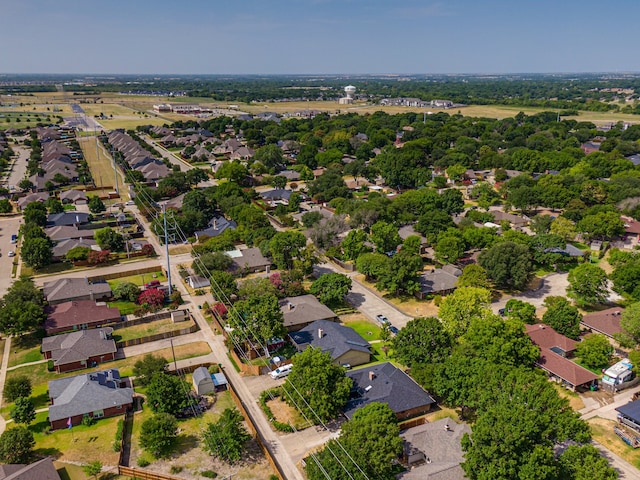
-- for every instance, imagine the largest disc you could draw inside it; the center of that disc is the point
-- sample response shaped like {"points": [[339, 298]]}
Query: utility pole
{"points": [[166, 247]]}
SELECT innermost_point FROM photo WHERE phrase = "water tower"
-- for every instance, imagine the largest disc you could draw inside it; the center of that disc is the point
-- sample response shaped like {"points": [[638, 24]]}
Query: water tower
{"points": [[349, 91]]}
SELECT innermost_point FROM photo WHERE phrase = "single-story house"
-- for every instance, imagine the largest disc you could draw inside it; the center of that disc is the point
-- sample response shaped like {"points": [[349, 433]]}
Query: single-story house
{"points": [[68, 289], [78, 350], [440, 281], [606, 321], [95, 394], [385, 383], [303, 310], [78, 315], [63, 247], [516, 220], [197, 281], [277, 195], [77, 197], [63, 232], [68, 219], [554, 352], [434, 451], [344, 344], [629, 415], [216, 226], [41, 470], [248, 260], [569, 251], [203, 381], [32, 197], [175, 203]]}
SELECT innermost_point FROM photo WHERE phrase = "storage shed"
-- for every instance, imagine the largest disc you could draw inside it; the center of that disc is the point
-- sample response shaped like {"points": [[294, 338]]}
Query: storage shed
{"points": [[202, 381]]}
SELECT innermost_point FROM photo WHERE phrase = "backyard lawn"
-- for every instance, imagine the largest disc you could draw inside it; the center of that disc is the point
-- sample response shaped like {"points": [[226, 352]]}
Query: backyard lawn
{"points": [[602, 431], [82, 444], [25, 349], [148, 329]]}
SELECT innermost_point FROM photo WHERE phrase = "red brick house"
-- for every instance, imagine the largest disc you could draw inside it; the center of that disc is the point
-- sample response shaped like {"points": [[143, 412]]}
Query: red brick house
{"points": [[96, 394], [78, 315], [81, 349]]}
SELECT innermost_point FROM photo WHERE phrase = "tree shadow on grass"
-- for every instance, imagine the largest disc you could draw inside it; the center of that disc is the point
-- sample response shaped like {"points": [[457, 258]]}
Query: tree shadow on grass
{"points": [[40, 401], [48, 452], [186, 442], [40, 427]]}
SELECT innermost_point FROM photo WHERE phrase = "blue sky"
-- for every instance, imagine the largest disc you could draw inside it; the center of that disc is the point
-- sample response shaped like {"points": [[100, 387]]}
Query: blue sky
{"points": [[318, 36]]}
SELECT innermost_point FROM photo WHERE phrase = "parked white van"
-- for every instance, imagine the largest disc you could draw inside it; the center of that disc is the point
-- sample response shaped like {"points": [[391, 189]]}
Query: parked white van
{"points": [[281, 372]]}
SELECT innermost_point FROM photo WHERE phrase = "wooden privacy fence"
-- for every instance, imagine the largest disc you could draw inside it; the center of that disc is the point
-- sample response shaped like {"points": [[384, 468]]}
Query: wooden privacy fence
{"points": [[141, 474], [251, 423], [127, 273]]}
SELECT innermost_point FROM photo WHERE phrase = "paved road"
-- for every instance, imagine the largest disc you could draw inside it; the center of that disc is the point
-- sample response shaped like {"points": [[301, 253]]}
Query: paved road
{"points": [[174, 159], [364, 299], [624, 468], [552, 284]]}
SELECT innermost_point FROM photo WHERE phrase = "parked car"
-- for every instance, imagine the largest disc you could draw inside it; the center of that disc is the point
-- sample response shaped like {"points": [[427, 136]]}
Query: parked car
{"points": [[382, 319], [11, 253], [393, 329], [14, 238], [281, 372]]}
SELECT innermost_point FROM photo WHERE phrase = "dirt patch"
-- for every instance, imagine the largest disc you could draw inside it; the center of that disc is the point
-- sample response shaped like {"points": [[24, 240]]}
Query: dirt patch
{"points": [[353, 317], [281, 411], [575, 401]]}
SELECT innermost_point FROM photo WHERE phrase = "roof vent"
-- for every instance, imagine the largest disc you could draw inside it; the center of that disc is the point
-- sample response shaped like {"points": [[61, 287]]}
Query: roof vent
{"points": [[320, 333], [372, 375]]}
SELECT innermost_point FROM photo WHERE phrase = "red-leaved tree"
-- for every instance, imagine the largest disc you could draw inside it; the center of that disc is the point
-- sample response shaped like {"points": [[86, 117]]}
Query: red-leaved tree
{"points": [[98, 258], [152, 296]]}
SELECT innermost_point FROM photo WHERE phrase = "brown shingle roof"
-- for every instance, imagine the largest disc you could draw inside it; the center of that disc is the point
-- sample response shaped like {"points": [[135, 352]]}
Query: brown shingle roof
{"points": [[546, 337], [606, 321], [564, 368], [78, 312]]}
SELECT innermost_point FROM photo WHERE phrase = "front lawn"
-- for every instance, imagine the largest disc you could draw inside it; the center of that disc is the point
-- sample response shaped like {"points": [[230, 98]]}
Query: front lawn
{"points": [[366, 329], [125, 307], [25, 349]]}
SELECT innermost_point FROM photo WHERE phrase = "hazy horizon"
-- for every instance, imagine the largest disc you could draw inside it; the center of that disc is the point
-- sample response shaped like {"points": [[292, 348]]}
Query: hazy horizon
{"points": [[312, 37]]}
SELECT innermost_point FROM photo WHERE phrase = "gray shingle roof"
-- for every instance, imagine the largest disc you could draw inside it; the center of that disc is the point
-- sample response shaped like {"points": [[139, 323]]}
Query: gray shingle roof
{"points": [[217, 225], [390, 385], [71, 288], [337, 339], [81, 394], [304, 309], [67, 218], [40, 470], [77, 346]]}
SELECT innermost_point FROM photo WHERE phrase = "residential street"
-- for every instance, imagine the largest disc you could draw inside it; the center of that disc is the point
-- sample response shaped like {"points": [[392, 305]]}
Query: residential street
{"points": [[364, 299]]}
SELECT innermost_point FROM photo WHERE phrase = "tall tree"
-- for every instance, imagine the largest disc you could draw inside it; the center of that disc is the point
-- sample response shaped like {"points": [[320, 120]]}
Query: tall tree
{"points": [[459, 308], [17, 387], [630, 325], [595, 351], [422, 340], [285, 247], [37, 252], [16, 445], [385, 237], [167, 393], [331, 288], [261, 319], [369, 443], [21, 308], [144, 368], [158, 434], [227, 437], [563, 317], [508, 264], [588, 285], [523, 311], [316, 386], [474, 275], [23, 410]]}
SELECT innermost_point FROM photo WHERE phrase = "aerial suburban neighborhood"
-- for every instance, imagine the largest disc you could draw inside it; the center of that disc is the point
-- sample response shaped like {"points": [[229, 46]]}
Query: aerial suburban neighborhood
{"points": [[203, 289]]}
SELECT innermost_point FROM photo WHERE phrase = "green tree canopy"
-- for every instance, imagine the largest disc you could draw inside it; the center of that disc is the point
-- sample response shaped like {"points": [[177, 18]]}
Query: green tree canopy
{"points": [[285, 247], [588, 285], [16, 387], [523, 311], [563, 317], [37, 252], [595, 351], [316, 386], [474, 275], [108, 239], [144, 368], [21, 308], [126, 291], [630, 325], [23, 411], [16, 445], [585, 462], [261, 319], [167, 393], [331, 288], [385, 237], [226, 438], [158, 434], [422, 340], [508, 264], [459, 308], [36, 213], [96, 205]]}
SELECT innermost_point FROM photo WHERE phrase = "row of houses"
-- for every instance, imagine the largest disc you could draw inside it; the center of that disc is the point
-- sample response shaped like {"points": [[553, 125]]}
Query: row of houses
{"points": [[137, 157]]}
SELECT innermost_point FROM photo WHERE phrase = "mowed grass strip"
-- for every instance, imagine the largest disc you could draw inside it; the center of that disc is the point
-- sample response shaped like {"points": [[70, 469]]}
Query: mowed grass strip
{"points": [[148, 329]]}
